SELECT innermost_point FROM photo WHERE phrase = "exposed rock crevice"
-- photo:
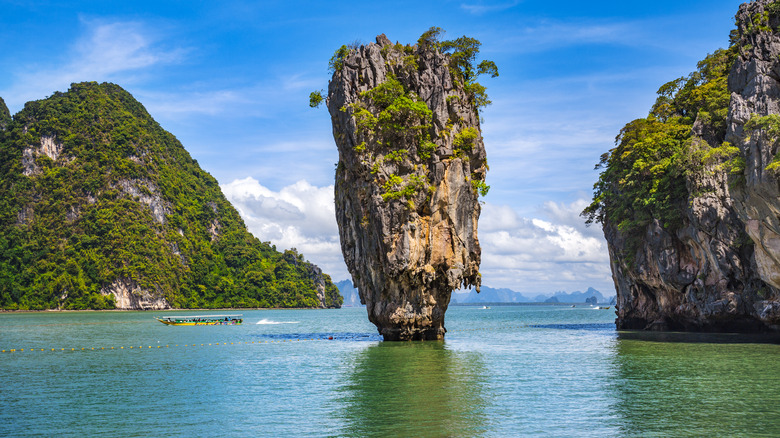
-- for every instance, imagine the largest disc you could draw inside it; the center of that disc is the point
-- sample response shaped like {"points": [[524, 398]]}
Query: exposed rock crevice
{"points": [[128, 295]]}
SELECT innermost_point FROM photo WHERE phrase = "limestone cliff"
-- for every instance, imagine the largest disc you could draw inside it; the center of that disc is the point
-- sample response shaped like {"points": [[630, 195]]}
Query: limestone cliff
{"points": [[755, 97], [700, 276], [411, 165], [698, 248]]}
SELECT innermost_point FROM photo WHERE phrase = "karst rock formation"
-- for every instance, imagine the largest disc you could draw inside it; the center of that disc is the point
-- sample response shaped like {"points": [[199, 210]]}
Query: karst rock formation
{"points": [[718, 267], [411, 166]]}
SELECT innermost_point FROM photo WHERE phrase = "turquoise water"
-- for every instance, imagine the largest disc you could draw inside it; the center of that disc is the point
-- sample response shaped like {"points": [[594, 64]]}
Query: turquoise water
{"points": [[505, 371]]}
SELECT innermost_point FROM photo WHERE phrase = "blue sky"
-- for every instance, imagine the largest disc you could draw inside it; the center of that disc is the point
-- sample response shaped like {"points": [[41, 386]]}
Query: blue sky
{"points": [[231, 80]]}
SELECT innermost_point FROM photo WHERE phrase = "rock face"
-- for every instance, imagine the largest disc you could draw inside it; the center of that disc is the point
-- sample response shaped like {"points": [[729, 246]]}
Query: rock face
{"points": [[755, 86], [720, 269], [700, 277], [411, 162], [129, 296]]}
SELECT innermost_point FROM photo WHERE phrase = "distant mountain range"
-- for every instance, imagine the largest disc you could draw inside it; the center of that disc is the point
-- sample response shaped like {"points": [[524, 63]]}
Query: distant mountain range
{"points": [[492, 295], [350, 294]]}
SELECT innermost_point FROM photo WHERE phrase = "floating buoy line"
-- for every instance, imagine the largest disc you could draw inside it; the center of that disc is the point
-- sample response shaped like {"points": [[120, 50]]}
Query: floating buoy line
{"points": [[215, 344]]}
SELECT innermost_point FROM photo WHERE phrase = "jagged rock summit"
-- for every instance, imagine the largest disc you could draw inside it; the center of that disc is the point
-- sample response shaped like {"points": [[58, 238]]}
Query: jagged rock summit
{"points": [[411, 167], [690, 197], [101, 208]]}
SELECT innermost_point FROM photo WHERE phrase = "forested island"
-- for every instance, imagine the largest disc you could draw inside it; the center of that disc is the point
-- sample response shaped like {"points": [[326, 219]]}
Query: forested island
{"points": [[101, 208]]}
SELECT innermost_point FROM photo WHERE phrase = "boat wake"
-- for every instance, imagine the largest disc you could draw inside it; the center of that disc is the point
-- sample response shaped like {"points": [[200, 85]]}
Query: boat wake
{"points": [[269, 322]]}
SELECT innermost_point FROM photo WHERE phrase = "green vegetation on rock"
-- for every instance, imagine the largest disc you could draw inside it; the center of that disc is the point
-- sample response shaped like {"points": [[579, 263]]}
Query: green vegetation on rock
{"points": [[391, 115], [95, 192], [463, 57], [463, 53], [769, 126], [402, 116], [315, 99], [336, 61], [5, 115], [644, 177], [464, 141]]}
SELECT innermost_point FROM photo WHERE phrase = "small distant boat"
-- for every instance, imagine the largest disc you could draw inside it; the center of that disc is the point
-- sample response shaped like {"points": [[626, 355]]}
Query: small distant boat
{"points": [[602, 307], [485, 307], [202, 320]]}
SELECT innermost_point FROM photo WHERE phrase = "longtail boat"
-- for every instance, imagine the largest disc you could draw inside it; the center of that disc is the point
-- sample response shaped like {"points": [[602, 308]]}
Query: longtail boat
{"points": [[202, 320]]}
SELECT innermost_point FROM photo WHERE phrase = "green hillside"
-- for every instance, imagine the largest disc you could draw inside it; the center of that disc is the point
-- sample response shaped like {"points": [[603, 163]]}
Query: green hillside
{"points": [[95, 193]]}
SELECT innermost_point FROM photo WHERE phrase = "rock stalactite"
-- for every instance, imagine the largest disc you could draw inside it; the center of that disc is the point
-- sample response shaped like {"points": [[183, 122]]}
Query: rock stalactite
{"points": [[411, 166]]}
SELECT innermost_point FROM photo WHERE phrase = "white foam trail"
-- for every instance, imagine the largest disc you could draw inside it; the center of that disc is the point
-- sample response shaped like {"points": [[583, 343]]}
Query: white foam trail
{"points": [[266, 321]]}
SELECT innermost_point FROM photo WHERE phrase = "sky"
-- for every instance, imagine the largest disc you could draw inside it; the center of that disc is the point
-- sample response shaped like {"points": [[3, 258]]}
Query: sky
{"points": [[231, 81]]}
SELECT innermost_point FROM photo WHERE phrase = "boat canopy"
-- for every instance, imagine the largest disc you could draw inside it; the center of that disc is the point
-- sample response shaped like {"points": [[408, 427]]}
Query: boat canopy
{"points": [[204, 317]]}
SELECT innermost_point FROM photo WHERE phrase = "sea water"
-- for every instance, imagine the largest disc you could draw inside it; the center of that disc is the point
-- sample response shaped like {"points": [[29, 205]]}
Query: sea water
{"points": [[503, 371]]}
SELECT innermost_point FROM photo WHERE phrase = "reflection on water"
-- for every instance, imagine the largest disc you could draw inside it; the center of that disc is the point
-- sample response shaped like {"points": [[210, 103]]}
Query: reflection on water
{"points": [[683, 384], [414, 389], [699, 337]]}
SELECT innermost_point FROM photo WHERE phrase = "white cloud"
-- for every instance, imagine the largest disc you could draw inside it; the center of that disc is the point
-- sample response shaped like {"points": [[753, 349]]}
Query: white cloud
{"points": [[299, 216], [177, 105], [116, 47], [535, 255], [553, 34], [482, 7], [569, 215], [108, 51], [531, 255], [258, 100]]}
